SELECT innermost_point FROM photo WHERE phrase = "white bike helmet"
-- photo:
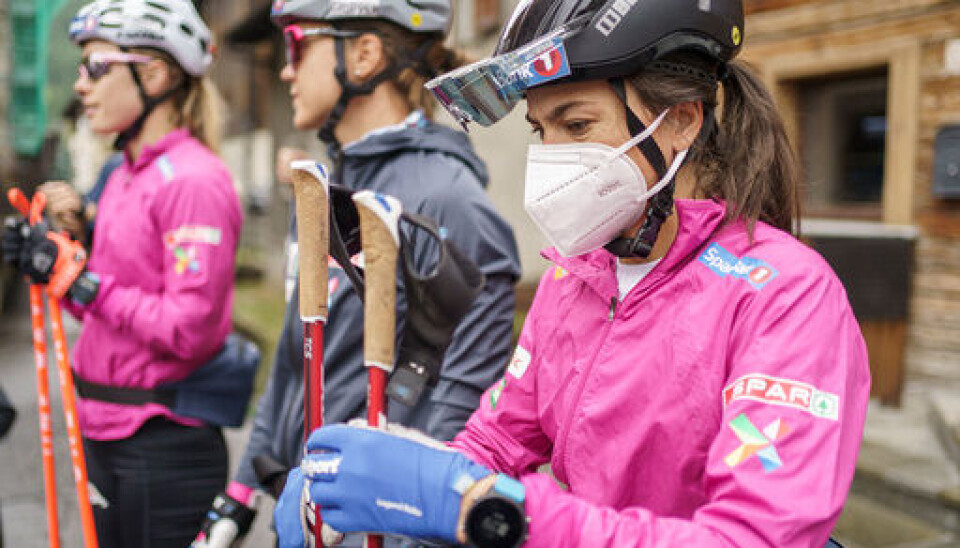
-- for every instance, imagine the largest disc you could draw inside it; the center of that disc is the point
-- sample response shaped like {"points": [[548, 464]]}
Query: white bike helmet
{"points": [[426, 16], [173, 26]]}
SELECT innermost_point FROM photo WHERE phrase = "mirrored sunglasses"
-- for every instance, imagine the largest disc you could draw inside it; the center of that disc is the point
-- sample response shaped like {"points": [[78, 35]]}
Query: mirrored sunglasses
{"points": [[486, 91]]}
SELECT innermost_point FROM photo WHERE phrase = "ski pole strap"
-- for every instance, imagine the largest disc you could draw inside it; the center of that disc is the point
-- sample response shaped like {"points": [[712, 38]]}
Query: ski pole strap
{"points": [[124, 395], [436, 302]]}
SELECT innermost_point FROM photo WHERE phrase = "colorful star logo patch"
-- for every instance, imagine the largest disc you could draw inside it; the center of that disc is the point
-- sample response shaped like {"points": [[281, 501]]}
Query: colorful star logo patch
{"points": [[186, 260], [754, 442]]}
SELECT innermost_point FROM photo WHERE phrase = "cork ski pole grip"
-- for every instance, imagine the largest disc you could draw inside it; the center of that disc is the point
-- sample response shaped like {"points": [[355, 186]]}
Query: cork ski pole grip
{"points": [[311, 189], [379, 230]]}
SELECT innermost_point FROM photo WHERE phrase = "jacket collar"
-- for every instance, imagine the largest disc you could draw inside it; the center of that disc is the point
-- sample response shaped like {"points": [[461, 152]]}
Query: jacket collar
{"points": [[698, 222], [153, 151]]}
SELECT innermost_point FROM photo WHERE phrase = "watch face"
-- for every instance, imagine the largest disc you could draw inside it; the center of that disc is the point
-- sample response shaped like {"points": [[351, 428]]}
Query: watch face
{"points": [[495, 523]]}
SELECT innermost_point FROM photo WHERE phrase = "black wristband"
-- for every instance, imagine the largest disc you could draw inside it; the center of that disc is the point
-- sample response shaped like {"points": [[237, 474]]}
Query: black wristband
{"points": [[85, 288]]}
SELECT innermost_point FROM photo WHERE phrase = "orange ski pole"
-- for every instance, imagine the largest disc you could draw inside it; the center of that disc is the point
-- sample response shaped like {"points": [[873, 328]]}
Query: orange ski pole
{"points": [[73, 427], [19, 201], [34, 212]]}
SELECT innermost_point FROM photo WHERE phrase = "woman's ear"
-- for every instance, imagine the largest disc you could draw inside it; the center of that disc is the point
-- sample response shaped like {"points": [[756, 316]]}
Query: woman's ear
{"points": [[157, 77], [687, 121], [366, 57]]}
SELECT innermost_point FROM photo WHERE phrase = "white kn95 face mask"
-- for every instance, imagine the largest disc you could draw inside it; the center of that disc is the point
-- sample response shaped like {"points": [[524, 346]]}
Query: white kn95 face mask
{"points": [[583, 195]]}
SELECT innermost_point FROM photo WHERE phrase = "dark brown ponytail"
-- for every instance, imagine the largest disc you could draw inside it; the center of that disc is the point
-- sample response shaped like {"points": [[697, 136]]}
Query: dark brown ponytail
{"points": [[743, 155]]}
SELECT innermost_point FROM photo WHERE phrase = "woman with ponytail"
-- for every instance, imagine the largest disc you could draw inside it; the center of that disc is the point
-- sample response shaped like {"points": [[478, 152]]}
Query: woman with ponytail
{"points": [[356, 73], [156, 295], [691, 371]]}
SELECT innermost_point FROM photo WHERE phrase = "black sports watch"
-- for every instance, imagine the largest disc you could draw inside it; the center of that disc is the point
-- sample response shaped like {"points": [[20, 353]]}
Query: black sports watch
{"points": [[497, 519]]}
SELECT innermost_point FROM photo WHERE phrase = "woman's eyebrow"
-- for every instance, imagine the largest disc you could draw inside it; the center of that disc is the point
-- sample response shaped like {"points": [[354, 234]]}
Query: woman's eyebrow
{"points": [[559, 111]]}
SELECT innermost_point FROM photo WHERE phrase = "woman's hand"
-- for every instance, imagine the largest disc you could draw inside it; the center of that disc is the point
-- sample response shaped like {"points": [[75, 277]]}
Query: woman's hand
{"points": [[374, 481], [65, 209]]}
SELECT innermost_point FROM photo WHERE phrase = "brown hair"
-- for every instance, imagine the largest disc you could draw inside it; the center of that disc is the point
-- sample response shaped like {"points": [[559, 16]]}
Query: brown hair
{"points": [[197, 103], [742, 154], [399, 45]]}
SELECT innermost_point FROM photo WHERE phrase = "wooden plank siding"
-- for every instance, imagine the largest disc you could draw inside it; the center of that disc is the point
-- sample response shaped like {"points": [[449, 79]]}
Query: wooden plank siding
{"points": [[788, 41]]}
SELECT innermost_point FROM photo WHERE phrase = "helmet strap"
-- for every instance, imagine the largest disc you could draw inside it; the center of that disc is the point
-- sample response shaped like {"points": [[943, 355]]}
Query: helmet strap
{"points": [[149, 103], [349, 90], [660, 206]]}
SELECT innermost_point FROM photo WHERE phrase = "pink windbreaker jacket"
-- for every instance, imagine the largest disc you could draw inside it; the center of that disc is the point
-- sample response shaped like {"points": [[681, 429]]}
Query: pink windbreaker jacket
{"points": [[164, 247], [720, 404]]}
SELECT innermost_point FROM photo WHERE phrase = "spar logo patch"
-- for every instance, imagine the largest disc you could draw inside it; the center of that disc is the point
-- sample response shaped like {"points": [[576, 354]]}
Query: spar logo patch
{"points": [[756, 442], [783, 392], [192, 234], [723, 263]]}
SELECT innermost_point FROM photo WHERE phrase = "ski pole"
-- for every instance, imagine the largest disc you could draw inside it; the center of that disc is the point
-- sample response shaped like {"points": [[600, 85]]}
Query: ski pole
{"points": [[379, 230], [66, 390], [312, 195], [73, 427], [20, 203]]}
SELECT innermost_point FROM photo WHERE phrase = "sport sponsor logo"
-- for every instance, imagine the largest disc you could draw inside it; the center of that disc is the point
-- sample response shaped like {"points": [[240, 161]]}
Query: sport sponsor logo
{"points": [[724, 263], [550, 65], [754, 441], [519, 363], [196, 234], [400, 507], [611, 18], [784, 392], [321, 467], [354, 8]]}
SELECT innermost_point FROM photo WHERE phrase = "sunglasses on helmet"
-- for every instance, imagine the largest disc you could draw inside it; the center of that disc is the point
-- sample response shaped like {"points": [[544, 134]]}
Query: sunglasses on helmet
{"points": [[98, 64], [486, 91], [294, 35]]}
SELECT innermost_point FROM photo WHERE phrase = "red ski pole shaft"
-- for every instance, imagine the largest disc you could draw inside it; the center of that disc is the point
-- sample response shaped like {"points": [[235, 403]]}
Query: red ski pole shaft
{"points": [[311, 190], [20, 203], [73, 426], [379, 231]]}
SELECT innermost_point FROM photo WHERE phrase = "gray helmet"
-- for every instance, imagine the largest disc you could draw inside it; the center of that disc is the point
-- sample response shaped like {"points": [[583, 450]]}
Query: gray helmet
{"points": [[173, 26], [423, 16]]}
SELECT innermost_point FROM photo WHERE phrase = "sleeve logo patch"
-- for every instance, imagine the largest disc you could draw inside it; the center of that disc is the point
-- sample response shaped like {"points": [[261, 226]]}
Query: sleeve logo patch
{"points": [[784, 392], [519, 363], [186, 260], [756, 442], [195, 234], [724, 263], [559, 273]]}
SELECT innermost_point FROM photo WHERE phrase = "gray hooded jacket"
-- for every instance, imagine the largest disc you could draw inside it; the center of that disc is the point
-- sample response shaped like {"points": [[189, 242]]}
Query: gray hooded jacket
{"points": [[433, 171]]}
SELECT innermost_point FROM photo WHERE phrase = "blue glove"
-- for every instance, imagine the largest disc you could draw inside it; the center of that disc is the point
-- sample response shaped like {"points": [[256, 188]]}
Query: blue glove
{"points": [[373, 481], [288, 516]]}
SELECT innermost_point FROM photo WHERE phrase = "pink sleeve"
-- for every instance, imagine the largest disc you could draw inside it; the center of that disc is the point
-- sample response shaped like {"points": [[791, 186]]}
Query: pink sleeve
{"points": [[504, 434], [779, 470], [200, 225]]}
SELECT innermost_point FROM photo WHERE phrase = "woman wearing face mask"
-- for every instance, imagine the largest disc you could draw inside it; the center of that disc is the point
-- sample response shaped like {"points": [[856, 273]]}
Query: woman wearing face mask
{"points": [[691, 372], [155, 297], [356, 73]]}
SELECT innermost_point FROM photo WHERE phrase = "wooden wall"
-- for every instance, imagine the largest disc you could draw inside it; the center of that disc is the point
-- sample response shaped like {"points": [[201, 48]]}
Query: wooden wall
{"points": [[791, 39]]}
